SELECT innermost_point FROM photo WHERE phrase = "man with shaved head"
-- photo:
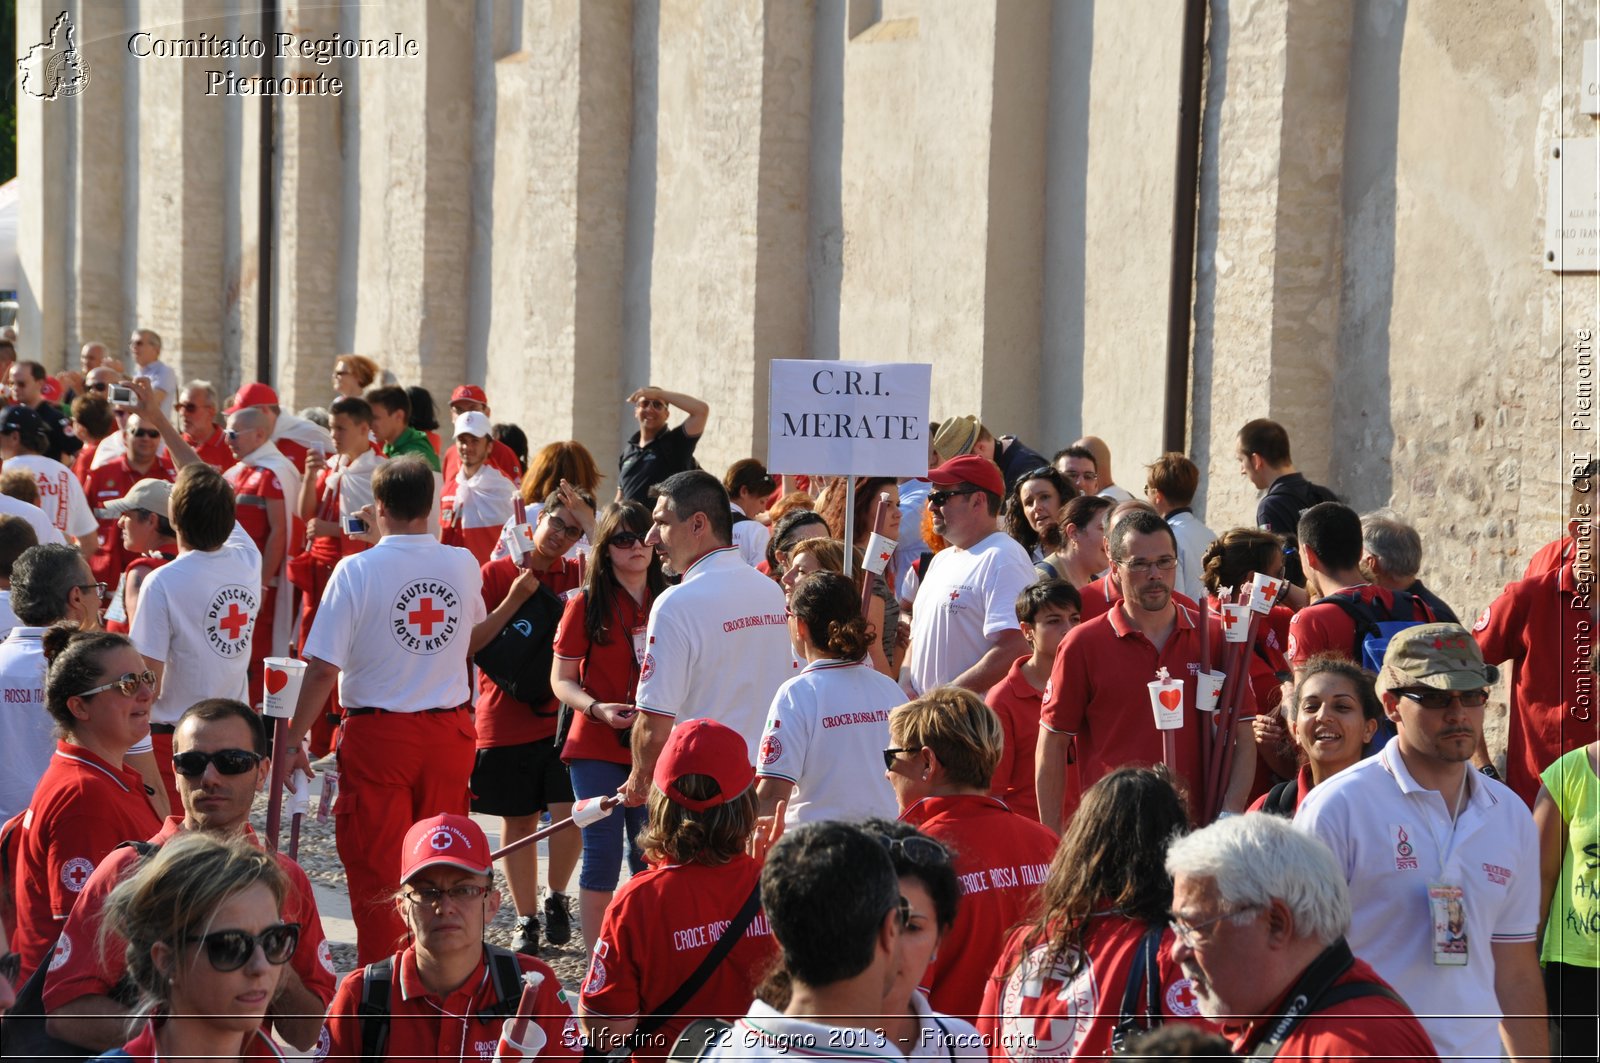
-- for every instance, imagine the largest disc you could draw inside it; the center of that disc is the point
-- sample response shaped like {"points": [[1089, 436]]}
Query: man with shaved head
{"points": [[1102, 463]]}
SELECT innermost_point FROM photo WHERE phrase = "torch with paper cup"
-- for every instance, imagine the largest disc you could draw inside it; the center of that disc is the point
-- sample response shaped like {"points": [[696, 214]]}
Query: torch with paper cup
{"points": [[520, 1037], [1166, 703], [282, 686]]}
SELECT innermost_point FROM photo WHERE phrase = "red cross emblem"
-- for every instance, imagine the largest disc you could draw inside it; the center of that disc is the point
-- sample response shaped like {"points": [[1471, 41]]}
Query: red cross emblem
{"points": [[234, 621], [954, 595], [885, 556], [425, 615], [1229, 619]]}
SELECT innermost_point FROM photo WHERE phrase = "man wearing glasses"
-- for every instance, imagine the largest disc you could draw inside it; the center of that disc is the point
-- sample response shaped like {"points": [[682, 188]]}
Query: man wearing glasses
{"points": [[1423, 841], [655, 451], [144, 347], [140, 460], [1099, 695], [197, 416], [220, 755], [964, 629]]}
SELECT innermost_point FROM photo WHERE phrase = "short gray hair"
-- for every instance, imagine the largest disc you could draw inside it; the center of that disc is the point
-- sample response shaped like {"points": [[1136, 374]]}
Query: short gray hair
{"points": [[205, 387], [1394, 542], [1257, 858], [42, 579]]}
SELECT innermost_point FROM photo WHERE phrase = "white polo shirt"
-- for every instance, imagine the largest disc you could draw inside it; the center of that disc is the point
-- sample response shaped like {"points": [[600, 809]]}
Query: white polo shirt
{"points": [[396, 620], [826, 733], [163, 376], [1393, 839], [1194, 539], [717, 646], [60, 494], [27, 731], [196, 615], [46, 531], [966, 598]]}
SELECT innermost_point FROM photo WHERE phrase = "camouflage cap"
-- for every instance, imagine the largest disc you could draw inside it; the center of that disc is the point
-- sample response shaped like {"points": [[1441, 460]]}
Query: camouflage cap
{"points": [[1440, 656]]}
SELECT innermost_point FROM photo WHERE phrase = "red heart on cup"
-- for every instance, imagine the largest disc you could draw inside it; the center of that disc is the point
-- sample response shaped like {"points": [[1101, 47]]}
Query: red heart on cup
{"points": [[276, 680], [1171, 698]]}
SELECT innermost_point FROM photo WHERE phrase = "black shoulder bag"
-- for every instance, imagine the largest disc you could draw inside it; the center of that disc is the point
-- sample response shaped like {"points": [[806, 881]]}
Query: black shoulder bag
{"points": [[520, 657]]}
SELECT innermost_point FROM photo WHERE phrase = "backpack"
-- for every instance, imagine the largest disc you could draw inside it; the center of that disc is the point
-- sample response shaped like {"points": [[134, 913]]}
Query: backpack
{"points": [[1283, 798], [520, 656], [1376, 625], [373, 1012]]}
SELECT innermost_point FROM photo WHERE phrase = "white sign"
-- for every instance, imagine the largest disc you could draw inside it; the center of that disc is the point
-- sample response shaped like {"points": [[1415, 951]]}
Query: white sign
{"points": [[1572, 207], [1589, 93], [849, 418]]}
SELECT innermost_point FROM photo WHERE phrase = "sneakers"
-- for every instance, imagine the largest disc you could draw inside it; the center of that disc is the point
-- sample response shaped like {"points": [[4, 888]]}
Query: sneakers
{"points": [[526, 938], [557, 924]]}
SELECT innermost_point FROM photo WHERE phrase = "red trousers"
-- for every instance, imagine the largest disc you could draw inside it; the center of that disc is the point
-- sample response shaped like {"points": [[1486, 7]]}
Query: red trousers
{"points": [[394, 769]]}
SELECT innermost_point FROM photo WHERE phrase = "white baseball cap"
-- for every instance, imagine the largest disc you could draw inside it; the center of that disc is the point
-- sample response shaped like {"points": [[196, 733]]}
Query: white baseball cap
{"points": [[472, 423]]}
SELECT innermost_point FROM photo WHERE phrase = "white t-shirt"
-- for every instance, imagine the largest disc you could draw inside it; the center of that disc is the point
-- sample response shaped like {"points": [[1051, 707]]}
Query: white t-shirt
{"points": [[826, 733], [750, 538], [717, 646], [27, 732], [1388, 834], [15, 507], [196, 615], [396, 619], [1117, 492], [60, 494], [967, 597], [163, 376], [766, 1033], [1194, 539]]}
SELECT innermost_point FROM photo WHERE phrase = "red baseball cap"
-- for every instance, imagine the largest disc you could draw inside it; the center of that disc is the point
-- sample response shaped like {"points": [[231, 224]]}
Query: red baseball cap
{"points": [[468, 393], [51, 391], [704, 747], [257, 394], [972, 469], [445, 840]]}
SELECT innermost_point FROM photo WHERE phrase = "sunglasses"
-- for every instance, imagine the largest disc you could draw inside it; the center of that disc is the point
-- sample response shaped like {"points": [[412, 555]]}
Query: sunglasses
{"points": [[1441, 699], [190, 407], [192, 763], [98, 387], [923, 852], [651, 404], [230, 434], [627, 540], [890, 754], [229, 950], [127, 684], [98, 588], [145, 433], [937, 499]]}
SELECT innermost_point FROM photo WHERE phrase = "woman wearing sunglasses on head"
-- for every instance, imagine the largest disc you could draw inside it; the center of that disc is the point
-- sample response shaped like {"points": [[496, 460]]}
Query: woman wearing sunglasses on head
{"points": [[599, 645], [206, 946], [88, 802]]}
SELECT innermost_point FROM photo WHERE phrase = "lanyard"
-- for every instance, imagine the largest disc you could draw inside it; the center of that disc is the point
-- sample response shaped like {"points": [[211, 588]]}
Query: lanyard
{"points": [[1448, 849]]}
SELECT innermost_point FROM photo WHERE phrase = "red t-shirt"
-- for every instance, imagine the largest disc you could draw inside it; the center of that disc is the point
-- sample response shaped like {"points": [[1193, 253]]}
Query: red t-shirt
{"points": [[1534, 624], [143, 1048], [1014, 700], [1550, 557], [1033, 1011], [82, 809], [214, 451], [501, 719], [90, 969], [1001, 859], [254, 488], [425, 1026], [1324, 627], [1099, 692], [658, 929], [609, 670], [1364, 1028], [109, 482], [500, 456]]}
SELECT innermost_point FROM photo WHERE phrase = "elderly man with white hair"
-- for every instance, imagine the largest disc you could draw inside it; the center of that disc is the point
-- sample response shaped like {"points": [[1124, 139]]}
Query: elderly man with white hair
{"points": [[1259, 910]]}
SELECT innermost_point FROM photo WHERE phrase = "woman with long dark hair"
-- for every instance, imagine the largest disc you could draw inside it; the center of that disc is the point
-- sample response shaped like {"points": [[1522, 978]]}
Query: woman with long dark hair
{"points": [[1058, 989], [1332, 715], [599, 647], [1032, 507]]}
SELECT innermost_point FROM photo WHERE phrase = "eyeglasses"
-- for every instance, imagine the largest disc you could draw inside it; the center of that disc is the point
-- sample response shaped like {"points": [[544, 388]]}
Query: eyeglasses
{"points": [[651, 404], [229, 950], [627, 540], [192, 764], [889, 754], [923, 852], [190, 407], [937, 499], [1442, 699], [1078, 477], [127, 684], [98, 588], [145, 433], [431, 896], [1161, 564], [1188, 932], [230, 434], [11, 967], [561, 528]]}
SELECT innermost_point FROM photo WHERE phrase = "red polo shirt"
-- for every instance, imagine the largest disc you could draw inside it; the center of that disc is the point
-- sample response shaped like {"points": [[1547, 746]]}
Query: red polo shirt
{"points": [[1099, 692], [1364, 1028], [109, 482], [1100, 595], [1001, 860], [92, 968], [609, 671], [423, 1025], [214, 451], [1550, 557], [501, 719], [1534, 625], [82, 809], [144, 1049], [1018, 705]]}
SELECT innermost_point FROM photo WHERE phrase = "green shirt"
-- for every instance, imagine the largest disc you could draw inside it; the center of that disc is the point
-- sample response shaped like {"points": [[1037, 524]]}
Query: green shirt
{"points": [[412, 441], [1572, 935]]}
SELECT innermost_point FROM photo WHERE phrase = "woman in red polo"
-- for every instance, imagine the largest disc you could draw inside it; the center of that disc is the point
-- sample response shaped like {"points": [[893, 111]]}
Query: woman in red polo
{"points": [[941, 764], [599, 645], [88, 802]]}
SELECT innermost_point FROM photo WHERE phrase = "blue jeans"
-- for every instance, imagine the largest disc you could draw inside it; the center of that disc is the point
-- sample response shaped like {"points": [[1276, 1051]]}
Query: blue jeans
{"points": [[602, 841]]}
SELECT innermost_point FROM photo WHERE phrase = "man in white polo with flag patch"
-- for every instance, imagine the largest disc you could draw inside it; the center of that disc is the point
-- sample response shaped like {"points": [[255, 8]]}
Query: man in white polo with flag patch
{"points": [[393, 628]]}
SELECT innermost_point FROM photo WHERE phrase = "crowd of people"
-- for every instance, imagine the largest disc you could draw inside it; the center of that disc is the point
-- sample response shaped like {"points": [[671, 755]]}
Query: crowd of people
{"points": [[987, 793]]}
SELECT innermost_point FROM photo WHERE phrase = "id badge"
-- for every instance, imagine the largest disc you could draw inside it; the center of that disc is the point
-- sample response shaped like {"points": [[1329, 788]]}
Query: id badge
{"points": [[638, 646], [1447, 907]]}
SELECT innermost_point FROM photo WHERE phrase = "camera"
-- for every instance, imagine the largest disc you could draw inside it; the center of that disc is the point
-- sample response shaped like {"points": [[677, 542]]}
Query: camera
{"points": [[354, 526], [123, 396]]}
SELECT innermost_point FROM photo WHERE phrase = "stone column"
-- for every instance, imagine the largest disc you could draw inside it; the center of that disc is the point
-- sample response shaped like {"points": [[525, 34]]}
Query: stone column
{"points": [[563, 114]]}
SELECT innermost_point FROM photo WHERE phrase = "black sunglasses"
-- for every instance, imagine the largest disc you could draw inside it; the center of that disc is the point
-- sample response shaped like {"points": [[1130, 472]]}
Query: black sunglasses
{"points": [[229, 950], [937, 499], [145, 433], [627, 539], [192, 763], [889, 755]]}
